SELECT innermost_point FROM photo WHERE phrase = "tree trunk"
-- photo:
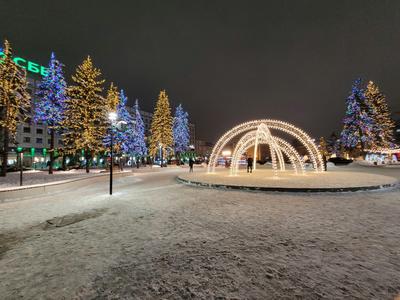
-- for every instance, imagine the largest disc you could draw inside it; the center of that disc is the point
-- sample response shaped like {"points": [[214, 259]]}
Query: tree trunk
{"points": [[51, 151], [5, 152], [87, 155]]}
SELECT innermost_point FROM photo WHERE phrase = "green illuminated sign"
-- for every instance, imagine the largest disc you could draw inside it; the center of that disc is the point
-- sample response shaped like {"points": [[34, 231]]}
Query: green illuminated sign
{"points": [[19, 149], [28, 65]]}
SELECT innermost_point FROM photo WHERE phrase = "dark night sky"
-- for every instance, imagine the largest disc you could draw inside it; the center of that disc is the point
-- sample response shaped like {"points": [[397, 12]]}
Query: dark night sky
{"points": [[225, 61]]}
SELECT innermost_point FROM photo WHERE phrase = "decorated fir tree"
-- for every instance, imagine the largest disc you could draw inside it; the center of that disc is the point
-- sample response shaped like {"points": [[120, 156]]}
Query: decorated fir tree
{"points": [[323, 147], [112, 100], [138, 143], [50, 105], [180, 131], [333, 144], [121, 137], [14, 101], [86, 119], [383, 128], [124, 136], [357, 130], [161, 126]]}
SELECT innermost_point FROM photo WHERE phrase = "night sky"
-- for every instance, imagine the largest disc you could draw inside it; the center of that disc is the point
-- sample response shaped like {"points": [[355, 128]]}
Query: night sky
{"points": [[226, 62]]}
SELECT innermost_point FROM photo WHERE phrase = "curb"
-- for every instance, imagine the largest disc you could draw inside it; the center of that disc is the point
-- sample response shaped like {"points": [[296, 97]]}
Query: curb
{"points": [[285, 190]]}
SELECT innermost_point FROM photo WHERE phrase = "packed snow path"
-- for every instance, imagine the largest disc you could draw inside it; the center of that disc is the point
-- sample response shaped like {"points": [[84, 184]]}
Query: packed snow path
{"points": [[157, 239]]}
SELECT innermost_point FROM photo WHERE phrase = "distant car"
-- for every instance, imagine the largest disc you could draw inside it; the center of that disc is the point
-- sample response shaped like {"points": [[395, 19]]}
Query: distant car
{"points": [[340, 161]]}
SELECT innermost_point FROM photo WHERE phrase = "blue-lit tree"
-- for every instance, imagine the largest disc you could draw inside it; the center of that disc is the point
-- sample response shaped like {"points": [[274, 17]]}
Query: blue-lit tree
{"points": [[50, 105], [357, 124], [138, 144], [180, 131], [124, 136]]}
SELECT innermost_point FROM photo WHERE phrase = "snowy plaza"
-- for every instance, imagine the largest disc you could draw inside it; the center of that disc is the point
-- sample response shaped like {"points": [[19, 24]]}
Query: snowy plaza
{"points": [[190, 150], [158, 239]]}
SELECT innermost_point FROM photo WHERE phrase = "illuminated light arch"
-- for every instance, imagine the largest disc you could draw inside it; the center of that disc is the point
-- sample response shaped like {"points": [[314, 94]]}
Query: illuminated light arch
{"points": [[253, 138], [250, 139], [288, 128]]}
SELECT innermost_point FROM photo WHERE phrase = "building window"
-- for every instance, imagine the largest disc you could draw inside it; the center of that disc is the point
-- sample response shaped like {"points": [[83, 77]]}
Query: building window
{"points": [[39, 131], [49, 141], [26, 139], [27, 130], [39, 140]]}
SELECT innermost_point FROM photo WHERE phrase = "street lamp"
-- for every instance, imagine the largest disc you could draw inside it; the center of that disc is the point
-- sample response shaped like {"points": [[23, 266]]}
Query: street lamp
{"points": [[21, 157], [161, 154], [112, 116]]}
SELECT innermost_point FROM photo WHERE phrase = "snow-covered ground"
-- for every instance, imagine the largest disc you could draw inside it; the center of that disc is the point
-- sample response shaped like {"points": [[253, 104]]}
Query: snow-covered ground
{"points": [[157, 239], [35, 177]]}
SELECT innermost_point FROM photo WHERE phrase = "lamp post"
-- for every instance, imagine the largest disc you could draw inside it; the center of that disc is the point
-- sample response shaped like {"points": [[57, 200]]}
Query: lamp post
{"points": [[20, 157], [112, 116]]}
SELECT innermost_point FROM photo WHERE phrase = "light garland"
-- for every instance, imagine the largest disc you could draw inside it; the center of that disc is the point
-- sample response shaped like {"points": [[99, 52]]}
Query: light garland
{"points": [[277, 145], [288, 128], [384, 150]]}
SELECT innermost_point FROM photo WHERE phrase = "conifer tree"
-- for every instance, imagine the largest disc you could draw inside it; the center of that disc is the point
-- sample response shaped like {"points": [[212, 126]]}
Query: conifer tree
{"points": [[323, 147], [124, 136], [112, 101], [51, 102], [138, 143], [112, 98], [161, 126], [86, 117], [181, 131], [121, 137], [333, 144], [383, 129], [357, 124], [14, 101]]}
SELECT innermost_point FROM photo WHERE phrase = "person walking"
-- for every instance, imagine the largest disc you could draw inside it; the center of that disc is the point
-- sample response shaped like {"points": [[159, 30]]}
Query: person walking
{"points": [[191, 162], [249, 164]]}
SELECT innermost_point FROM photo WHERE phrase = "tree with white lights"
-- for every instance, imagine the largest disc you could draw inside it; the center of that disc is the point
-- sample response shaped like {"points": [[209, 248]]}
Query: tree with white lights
{"points": [[383, 129], [14, 101], [86, 119], [161, 126]]}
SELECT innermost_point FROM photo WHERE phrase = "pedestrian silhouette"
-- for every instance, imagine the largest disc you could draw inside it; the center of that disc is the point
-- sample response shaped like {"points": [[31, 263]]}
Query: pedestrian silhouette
{"points": [[191, 162], [249, 164]]}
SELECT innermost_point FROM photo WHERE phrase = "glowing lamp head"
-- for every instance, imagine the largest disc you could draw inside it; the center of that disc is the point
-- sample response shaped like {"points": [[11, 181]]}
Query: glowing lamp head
{"points": [[112, 116]]}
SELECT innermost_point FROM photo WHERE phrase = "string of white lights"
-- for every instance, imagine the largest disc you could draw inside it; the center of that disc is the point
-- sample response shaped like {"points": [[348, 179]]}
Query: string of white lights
{"points": [[384, 150], [300, 135], [250, 139]]}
